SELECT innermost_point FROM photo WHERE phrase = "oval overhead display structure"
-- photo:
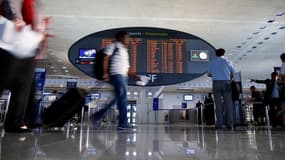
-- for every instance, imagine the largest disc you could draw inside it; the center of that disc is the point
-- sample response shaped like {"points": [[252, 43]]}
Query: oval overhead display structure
{"points": [[166, 56]]}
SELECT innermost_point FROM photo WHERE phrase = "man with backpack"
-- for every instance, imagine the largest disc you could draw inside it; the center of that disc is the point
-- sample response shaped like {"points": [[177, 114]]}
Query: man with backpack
{"points": [[116, 70]]}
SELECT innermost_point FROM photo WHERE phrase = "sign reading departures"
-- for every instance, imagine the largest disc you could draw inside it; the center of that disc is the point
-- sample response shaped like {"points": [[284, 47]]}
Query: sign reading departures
{"points": [[166, 56]]}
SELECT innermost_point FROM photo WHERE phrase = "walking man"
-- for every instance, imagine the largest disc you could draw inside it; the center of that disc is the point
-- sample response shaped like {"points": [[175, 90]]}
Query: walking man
{"points": [[116, 70]]}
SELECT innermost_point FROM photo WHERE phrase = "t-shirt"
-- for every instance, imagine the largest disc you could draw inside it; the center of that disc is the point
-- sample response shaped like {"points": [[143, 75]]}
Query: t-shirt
{"points": [[119, 59], [221, 69]]}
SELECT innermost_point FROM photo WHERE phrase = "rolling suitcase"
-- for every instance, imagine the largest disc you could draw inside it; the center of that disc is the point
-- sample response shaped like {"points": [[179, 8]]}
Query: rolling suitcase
{"points": [[64, 108]]}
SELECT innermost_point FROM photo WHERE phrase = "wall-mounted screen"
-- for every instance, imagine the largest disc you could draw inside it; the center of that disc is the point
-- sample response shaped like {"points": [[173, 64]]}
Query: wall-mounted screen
{"points": [[188, 97], [87, 53]]}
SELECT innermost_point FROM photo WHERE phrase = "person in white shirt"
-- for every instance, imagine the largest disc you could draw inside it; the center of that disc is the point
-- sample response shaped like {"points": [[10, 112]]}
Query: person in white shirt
{"points": [[116, 70], [221, 70]]}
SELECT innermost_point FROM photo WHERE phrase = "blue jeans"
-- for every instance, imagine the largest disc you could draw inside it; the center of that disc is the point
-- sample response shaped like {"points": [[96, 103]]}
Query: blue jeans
{"points": [[120, 84], [223, 97]]}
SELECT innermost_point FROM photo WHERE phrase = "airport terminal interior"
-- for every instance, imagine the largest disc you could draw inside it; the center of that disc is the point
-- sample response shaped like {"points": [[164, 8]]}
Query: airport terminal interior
{"points": [[170, 114]]}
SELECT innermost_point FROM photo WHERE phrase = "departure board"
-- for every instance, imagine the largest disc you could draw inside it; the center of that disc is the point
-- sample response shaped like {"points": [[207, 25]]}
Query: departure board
{"points": [[166, 56]]}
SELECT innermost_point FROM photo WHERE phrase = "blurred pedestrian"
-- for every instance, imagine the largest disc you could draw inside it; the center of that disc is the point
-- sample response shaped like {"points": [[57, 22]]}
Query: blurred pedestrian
{"points": [[116, 71], [16, 74], [209, 110], [258, 109], [272, 96]]}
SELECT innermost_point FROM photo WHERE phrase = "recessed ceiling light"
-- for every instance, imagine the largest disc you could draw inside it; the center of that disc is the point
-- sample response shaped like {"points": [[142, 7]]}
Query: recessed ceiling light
{"points": [[271, 21], [63, 67], [280, 14], [254, 47], [52, 67], [273, 33], [54, 71], [255, 33], [263, 27], [266, 38], [283, 27], [260, 43], [66, 71]]}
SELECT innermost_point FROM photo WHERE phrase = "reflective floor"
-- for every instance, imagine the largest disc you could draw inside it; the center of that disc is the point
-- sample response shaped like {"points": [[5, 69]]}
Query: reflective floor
{"points": [[161, 142]]}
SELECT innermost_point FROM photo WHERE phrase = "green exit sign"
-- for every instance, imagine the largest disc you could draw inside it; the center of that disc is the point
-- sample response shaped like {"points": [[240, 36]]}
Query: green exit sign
{"points": [[199, 55]]}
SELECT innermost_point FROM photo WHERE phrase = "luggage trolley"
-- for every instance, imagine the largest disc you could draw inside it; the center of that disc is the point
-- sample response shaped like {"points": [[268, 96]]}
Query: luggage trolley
{"points": [[4, 105]]}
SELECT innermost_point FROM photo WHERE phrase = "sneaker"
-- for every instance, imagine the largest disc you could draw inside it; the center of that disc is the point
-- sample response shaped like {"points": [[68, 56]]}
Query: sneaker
{"points": [[120, 128], [128, 127]]}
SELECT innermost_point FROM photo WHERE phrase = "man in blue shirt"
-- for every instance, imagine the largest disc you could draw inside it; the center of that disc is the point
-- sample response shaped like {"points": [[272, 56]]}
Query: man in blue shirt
{"points": [[221, 70]]}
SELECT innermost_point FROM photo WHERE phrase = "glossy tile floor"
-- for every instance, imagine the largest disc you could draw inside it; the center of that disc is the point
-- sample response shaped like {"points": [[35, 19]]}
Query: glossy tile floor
{"points": [[157, 142]]}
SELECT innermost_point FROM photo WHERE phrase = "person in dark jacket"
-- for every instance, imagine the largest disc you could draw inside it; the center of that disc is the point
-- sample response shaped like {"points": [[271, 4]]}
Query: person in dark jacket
{"points": [[258, 107], [209, 110], [272, 96]]}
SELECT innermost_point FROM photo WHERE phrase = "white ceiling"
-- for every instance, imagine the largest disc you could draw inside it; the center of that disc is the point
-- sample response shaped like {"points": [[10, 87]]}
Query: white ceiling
{"points": [[223, 23]]}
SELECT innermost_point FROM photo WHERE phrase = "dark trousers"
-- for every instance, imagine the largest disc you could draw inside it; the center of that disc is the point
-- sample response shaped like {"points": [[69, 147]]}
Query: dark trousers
{"points": [[16, 75], [120, 84], [210, 115], [274, 105], [223, 96]]}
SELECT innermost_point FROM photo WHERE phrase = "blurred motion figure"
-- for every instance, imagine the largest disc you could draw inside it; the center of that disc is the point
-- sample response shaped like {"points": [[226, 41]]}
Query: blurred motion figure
{"points": [[16, 74]]}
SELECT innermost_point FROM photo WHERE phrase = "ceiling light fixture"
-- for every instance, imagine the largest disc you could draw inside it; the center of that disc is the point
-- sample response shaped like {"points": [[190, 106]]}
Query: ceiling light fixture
{"points": [[249, 51], [255, 33], [249, 38], [283, 27], [238, 46], [260, 43], [266, 38], [280, 14], [273, 33], [253, 47], [271, 21]]}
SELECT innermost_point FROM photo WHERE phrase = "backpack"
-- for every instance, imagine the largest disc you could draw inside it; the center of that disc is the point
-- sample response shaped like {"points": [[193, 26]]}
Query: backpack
{"points": [[99, 63]]}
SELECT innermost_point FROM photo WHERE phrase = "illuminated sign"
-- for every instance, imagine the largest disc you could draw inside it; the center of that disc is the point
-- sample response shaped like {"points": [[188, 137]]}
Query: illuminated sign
{"points": [[165, 56]]}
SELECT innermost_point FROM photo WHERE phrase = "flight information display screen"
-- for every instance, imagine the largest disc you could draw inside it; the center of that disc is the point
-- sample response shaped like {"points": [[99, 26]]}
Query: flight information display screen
{"points": [[166, 56]]}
